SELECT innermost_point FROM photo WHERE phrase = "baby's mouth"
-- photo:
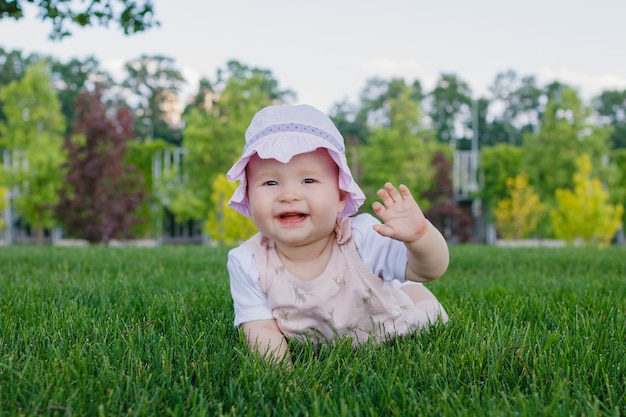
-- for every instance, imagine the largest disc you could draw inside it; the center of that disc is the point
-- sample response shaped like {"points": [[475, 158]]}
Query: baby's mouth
{"points": [[291, 217]]}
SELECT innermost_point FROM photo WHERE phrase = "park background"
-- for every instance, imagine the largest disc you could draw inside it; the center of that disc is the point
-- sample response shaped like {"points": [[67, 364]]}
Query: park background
{"points": [[102, 152]]}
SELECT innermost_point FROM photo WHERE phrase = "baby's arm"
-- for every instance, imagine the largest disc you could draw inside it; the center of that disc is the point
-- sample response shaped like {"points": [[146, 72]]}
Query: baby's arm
{"points": [[403, 220], [264, 337]]}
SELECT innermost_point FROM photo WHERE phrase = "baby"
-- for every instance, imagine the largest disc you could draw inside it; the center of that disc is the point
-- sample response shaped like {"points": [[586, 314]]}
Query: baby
{"points": [[313, 271]]}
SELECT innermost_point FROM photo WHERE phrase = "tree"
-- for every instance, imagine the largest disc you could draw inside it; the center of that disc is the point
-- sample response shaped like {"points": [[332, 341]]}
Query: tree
{"points": [[224, 224], [355, 122], [13, 66], [131, 16], [611, 106], [518, 214], [3, 193], [520, 101], [71, 77], [447, 216], [354, 130], [400, 153], [566, 132], [498, 163], [214, 136], [584, 213], [102, 190], [375, 99], [153, 80], [141, 155], [450, 109], [618, 191], [33, 131]]}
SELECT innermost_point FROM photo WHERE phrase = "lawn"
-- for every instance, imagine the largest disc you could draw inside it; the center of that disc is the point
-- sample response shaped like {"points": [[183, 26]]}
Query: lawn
{"points": [[148, 331]]}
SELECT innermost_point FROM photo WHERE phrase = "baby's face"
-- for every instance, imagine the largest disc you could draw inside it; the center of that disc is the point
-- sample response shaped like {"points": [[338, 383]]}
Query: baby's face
{"points": [[295, 202]]}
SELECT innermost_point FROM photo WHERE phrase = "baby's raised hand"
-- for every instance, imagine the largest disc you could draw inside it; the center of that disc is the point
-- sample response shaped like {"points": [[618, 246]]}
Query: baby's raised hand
{"points": [[402, 218]]}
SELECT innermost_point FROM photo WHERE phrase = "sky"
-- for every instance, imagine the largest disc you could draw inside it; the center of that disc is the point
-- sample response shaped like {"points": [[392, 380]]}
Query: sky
{"points": [[326, 50]]}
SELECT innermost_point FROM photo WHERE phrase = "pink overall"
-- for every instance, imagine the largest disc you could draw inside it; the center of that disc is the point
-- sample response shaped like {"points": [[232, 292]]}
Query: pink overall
{"points": [[346, 299]]}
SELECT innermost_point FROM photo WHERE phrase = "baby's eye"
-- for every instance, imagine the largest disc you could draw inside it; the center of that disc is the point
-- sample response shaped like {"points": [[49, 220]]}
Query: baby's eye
{"points": [[270, 182], [309, 181]]}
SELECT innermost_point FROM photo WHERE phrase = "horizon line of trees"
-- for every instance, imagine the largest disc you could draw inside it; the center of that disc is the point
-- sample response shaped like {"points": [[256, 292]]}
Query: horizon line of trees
{"points": [[81, 143]]}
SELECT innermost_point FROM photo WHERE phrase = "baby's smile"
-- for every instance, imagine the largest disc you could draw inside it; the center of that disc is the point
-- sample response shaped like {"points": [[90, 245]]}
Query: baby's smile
{"points": [[291, 217]]}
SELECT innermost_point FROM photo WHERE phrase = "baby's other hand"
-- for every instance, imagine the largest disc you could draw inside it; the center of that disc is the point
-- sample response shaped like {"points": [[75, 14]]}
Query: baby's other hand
{"points": [[402, 218]]}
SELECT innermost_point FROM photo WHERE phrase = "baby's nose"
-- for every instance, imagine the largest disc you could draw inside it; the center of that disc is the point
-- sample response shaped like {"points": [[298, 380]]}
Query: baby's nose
{"points": [[290, 195]]}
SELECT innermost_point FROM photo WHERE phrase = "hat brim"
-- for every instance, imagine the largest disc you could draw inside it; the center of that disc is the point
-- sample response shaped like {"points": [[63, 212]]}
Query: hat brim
{"points": [[282, 146]]}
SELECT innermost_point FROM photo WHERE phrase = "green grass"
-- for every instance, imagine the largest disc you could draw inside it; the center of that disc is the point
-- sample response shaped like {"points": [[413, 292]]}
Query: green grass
{"points": [[148, 331]]}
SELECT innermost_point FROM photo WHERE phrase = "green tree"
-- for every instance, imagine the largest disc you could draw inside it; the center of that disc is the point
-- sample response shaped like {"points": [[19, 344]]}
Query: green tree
{"points": [[400, 153], [356, 122], [13, 65], [354, 130], [451, 109], [585, 213], [520, 102], [618, 191], [497, 164], [70, 78], [375, 109], [140, 155], [34, 129], [152, 81], [3, 193], [214, 136], [224, 224], [566, 132], [131, 16], [611, 106], [518, 214]]}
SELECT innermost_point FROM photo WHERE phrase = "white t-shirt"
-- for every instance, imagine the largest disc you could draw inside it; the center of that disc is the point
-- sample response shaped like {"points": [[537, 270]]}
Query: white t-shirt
{"points": [[386, 258]]}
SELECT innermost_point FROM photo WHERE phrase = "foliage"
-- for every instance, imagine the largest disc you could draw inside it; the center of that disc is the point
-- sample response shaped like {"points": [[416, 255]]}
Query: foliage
{"points": [[149, 331], [154, 81], [102, 189], [224, 224], [611, 107], [374, 109], [214, 135], [32, 133], [566, 132], [498, 163], [356, 123], [451, 108], [131, 16], [517, 215], [71, 77], [399, 153], [140, 155], [454, 222], [584, 213], [3, 194], [13, 65], [520, 99], [618, 157]]}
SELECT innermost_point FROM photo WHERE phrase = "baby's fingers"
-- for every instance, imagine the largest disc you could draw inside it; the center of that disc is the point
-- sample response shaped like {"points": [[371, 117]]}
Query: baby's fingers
{"points": [[389, 195], [385, 197], [405, 192]]}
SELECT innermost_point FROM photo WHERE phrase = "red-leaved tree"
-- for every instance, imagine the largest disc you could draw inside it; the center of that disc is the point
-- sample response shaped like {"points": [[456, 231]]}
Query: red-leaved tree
{"points": [[103, 190], [453, 221]]}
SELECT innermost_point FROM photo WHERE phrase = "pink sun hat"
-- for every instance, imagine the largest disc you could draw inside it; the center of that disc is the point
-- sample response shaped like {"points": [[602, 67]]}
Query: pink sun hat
{"points": [[282, 132]]}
